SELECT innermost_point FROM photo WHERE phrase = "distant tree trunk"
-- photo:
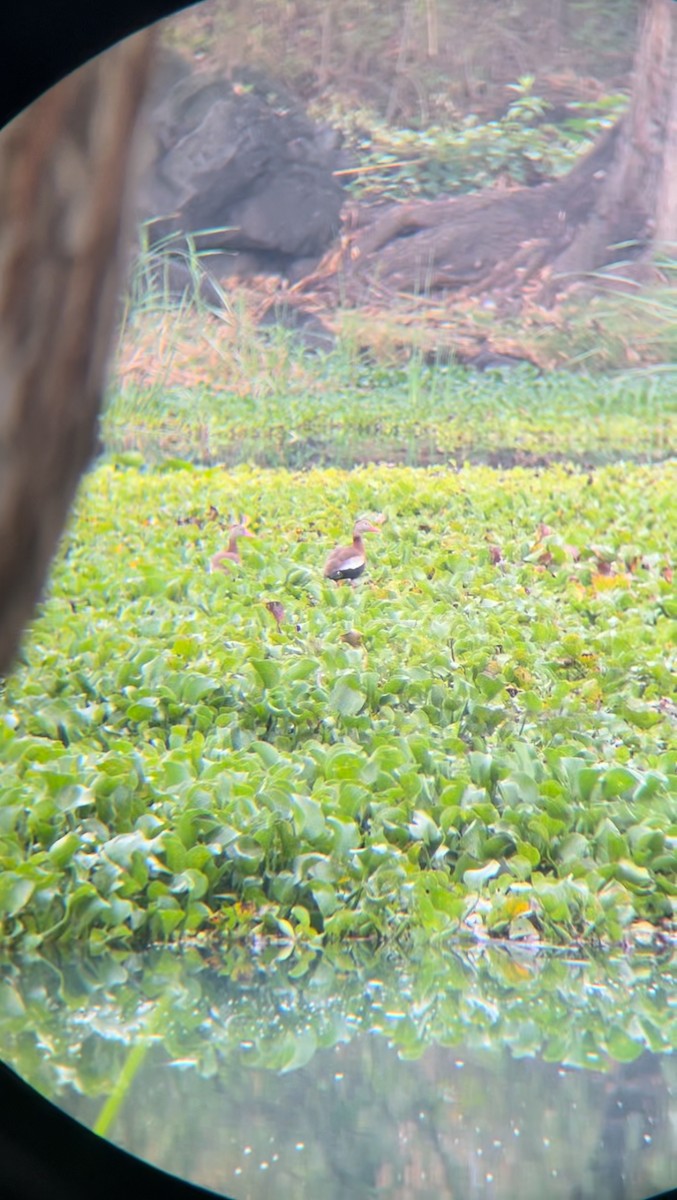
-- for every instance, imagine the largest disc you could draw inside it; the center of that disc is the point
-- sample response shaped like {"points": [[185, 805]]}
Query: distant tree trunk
{"points": [[666, 204], [64, 165], [638, 203], [618, 202]]}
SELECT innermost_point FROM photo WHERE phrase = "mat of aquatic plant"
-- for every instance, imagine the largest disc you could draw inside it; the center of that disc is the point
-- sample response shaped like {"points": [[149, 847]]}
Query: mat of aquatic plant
{"points": [[477, 739], [210, 402]]}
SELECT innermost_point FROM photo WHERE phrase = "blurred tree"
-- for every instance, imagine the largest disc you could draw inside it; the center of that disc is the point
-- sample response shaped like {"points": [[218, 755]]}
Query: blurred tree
{"points": [[638, 201], [64, 164]]}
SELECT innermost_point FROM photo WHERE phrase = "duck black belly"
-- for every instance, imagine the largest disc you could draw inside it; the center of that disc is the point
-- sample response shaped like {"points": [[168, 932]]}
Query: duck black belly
{"points": [[350, 570]]}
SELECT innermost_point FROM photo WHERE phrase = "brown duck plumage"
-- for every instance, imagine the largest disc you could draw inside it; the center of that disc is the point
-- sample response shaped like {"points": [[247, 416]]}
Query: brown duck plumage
{"points": [[348, 562], [221, 560]]}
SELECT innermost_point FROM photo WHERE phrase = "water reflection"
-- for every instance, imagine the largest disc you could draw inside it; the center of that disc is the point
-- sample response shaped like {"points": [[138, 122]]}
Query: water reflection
{"points": [[490, 1075]]}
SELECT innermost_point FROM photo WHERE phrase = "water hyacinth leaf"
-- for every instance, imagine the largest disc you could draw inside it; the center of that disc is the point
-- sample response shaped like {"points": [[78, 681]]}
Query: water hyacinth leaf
{"points": [[519, 866], [346, 835], [347, 698], [172, 851], [610, 841], [165, 919], [74, 798], [324, 895], [284, 888], [310, 818], [633, 875], [652, 783], [621, 1047], [519, 788], [267, 671], [302, 669], [197, 914], [186, 647], [62, 851], [195, 687], [268, 754], [342, 763], [642, 716], [15, 892], [314, 866], [587, 780], [436, 907], [122, 848], [423, 829], [475, 878], [142, 710], [246, 853], [285, 928], [645, 841], [85, 906], [200, 858], [176, 772], [301, 915], [574, 848], [193, 882], [618, 781], [498, 844], [59, 783], [480, 768], [490, 685]]}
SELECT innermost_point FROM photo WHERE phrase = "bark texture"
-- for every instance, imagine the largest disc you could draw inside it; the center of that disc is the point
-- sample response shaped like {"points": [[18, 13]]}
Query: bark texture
{"points": [[64, 165]]}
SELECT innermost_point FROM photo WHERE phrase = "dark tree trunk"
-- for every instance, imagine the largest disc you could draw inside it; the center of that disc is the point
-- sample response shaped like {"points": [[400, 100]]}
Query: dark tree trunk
{"points": [[638, 202], [619, 201], [64, 165]]}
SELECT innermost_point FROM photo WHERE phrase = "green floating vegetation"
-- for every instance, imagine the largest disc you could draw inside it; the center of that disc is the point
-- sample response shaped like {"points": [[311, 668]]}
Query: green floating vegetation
{"points": [[274, 408], [477, 740]]}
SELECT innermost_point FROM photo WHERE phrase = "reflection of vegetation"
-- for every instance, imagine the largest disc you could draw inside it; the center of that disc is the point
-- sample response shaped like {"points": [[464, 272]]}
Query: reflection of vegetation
{"points": [[251, 1027], [224, 401], [88, 1013]]}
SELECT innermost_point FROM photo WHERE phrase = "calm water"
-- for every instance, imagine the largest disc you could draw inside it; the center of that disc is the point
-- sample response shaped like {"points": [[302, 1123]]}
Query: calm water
{"points": [[483, 1075]]}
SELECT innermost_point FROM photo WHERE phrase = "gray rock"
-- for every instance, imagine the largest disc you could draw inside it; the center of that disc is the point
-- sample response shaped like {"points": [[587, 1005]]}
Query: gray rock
{"points": [[240, 170]]}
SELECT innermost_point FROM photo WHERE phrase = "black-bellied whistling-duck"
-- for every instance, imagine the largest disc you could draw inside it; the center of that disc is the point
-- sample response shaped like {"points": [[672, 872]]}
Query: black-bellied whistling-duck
{"points": [[222, 558], [348, 562]]}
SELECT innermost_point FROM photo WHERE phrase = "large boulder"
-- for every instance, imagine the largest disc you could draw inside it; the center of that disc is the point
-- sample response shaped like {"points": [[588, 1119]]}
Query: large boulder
{"points": [[238, 170]]}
